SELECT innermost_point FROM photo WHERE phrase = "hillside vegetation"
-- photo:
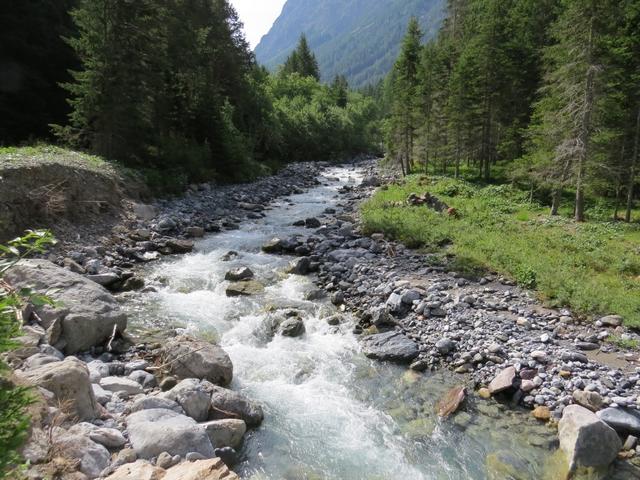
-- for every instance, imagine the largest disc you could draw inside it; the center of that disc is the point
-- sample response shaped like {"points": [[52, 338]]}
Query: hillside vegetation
{"points": [[356, 38]]}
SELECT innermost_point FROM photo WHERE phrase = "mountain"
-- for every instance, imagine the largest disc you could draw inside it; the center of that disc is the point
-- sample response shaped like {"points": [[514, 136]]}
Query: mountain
{"points": [[357, 38]]}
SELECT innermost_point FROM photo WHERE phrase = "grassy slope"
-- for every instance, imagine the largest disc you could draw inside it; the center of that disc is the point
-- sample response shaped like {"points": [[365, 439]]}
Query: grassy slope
{"points": [[12, 157], [592, 267]]}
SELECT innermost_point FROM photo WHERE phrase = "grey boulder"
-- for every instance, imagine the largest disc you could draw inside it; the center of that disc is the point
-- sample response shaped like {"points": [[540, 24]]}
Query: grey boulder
{"points": [[226, 433], [189, 358], [94, 458], [226, 403], [586, 440], [69, 382], [152, 432], [623, 420], [390, 346], [193, 396], [87, 313]]}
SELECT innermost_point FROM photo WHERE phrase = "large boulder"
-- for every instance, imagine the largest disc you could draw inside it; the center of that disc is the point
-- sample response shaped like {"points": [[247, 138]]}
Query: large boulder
{"points": [[86, 313], [193, 396], [390, 346], [586, 440], [189, 358], [69, 382], [93, 457], [152, 432], [213, 469], [226, 403], [226, 433], [622, 420]]}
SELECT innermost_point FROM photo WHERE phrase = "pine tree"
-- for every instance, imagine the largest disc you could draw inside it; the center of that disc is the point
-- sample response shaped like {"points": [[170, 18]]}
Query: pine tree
{"points": [[340, 90], [568, 111], [302, 61], [404, 87]]}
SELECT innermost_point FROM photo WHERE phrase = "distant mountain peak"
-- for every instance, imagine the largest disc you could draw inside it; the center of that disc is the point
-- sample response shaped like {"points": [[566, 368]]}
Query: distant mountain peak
{"points": [[356, 38]]}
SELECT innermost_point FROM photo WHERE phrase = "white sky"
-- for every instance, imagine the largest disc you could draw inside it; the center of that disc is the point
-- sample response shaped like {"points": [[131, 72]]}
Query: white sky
{"points": [[258, 17]]}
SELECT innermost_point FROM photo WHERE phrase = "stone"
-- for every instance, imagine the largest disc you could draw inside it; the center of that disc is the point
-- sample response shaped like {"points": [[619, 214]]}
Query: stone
{"points": [[180, 246], [226, 433], [139, 470], [300, 266], [213, 469], [144, 212], [527, 385], [121, 384], [630, 443], [484, 393], [410, 296], [451, 402], [244, 288], [228, 455], [381, 316], [622, 420], [390, 346], [154, 431], [87, 313], [591, 400], [165, 460], [229, 404], [102, 396], [149, 403], [312, 223], [569, 356], [611, 320], [189, 358], [585, 439], [541, 413], [94, 458], [105, 279], [503, 381], [69, 382], [145, 379], [38, 360], [275, 245], [108, 437], [292, 327], [193, 397], [195, 232], [238, 274], [445, 346]]}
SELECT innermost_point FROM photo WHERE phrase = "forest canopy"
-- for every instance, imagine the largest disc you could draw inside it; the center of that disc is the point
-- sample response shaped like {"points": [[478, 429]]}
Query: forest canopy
{"points": [[543, 93], [172, 89]]}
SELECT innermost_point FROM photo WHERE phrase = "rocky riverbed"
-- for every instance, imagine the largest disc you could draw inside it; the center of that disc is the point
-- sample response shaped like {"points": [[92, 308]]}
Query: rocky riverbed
{"points": [[164, 409]]}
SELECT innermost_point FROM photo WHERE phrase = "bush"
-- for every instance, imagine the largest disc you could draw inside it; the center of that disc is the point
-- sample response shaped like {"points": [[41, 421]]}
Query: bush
{"points": [[14, 400]]}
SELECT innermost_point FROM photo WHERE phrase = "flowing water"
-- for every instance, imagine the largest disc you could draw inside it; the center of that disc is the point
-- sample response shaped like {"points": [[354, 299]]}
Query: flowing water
{"points": [[330, 413]]}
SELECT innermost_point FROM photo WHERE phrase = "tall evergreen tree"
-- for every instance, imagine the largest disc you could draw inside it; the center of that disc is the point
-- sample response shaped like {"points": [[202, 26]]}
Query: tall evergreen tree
{"points": [[404, 86], [302, 61]]}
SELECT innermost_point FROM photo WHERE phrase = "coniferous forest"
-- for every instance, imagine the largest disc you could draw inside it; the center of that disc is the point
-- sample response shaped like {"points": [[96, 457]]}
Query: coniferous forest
{"points": [[545, 94], [170, 88]]}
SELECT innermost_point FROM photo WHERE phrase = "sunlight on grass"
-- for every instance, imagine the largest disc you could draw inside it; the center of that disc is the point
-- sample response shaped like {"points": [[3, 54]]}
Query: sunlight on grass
{"points": [[592, 267]]}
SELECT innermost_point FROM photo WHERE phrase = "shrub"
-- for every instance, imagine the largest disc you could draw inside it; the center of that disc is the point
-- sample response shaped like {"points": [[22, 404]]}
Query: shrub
{"points": [[14, 400]]}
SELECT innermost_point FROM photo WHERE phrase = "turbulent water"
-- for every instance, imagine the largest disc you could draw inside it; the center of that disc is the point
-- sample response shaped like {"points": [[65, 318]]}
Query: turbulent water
{"points": [[330, 413]]}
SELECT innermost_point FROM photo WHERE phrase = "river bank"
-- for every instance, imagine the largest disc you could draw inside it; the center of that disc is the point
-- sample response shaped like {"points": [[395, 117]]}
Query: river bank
{"points": [[294, 374]]}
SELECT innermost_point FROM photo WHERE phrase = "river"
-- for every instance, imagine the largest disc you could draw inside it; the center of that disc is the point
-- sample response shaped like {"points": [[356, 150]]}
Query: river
{"points": [[330, 413]]}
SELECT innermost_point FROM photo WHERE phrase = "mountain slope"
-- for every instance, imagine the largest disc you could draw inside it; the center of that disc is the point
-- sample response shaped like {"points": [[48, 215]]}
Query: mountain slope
{"points": [[357, 38]]}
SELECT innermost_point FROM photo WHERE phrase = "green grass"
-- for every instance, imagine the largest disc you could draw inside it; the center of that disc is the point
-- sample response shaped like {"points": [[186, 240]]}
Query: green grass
{"points": [[623, 344], [592, 267], [49, 154]]}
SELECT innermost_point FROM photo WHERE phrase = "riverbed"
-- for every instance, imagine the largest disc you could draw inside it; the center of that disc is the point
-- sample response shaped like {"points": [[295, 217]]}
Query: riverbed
{"points": [[330, 413]]}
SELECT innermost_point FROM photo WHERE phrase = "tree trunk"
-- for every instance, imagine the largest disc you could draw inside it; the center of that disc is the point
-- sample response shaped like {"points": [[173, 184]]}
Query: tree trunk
{"points": [[585, 131], [632, 170], [555, 200]]}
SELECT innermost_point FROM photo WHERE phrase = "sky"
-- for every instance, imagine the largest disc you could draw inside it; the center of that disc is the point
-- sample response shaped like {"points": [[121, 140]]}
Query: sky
{"points": [[258, 17]]}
